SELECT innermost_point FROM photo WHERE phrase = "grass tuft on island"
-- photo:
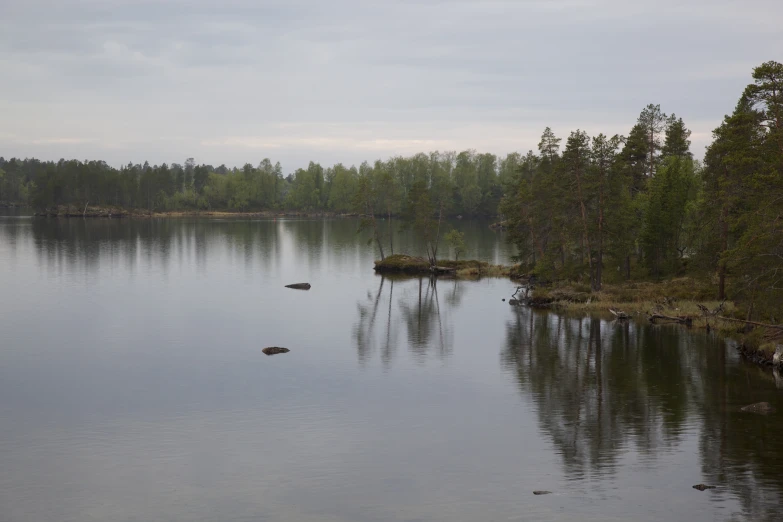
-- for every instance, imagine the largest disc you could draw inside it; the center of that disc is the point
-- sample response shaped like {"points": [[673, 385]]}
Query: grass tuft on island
{"points": [[464, 269], [674, 297]]}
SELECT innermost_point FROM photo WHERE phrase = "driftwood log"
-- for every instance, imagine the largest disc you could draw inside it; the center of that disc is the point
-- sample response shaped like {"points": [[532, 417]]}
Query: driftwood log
{"points": [[679, 319], [754, 323], [619, 314], [299, 286]]}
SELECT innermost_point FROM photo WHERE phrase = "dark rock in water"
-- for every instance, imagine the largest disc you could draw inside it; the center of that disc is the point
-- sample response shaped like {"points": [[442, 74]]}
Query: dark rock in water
{"points": [[540, 492], [272, 350], [299, 286], [702, 487], [760, 407]]}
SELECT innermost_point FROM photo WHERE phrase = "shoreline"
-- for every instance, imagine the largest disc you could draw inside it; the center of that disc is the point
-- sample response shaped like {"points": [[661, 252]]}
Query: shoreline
{"points": [[683, 301], [122, 213], [662, 303]]}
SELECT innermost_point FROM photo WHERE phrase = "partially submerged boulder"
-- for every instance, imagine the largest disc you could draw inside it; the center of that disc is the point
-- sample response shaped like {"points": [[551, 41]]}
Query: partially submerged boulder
{"points": [[299, 286], [273, 350], [760, 407]]}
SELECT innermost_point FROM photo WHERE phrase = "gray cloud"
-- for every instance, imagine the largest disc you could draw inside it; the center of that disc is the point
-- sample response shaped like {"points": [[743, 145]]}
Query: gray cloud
{"points": [[351, 80]]}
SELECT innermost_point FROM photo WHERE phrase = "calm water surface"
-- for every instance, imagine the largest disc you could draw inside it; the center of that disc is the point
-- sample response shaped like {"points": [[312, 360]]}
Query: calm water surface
{"points": [[133, 388]]}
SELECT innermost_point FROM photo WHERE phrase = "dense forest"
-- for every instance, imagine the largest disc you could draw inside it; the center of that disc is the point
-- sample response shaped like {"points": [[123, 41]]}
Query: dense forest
{"points": [[587, 207], [474, 184]]}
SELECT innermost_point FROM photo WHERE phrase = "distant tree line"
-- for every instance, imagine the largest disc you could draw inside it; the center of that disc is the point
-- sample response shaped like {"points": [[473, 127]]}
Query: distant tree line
{"points": [[474, 184], [576, 209]]}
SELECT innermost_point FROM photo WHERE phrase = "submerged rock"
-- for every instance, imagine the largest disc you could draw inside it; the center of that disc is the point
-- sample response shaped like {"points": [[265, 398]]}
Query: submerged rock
{"points": [[273, 350], [702, 487], [759, 407], [542, 492], [299, 286]]}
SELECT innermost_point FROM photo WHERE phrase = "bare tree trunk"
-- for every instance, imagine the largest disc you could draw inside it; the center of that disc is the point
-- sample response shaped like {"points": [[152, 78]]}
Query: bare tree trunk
{"points": [[375, 231], [724, 244], [536, 241], [378, 239], [434, 260], [391, 236]]}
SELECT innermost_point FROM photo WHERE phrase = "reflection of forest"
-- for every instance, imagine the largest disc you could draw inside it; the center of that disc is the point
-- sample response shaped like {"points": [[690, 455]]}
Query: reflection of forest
{"points": [[88, 243], [603, 388], [91, 243], [414, 303]]}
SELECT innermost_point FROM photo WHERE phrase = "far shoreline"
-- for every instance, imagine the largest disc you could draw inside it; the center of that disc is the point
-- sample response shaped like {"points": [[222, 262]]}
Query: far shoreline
{"points": [[122, 213]]}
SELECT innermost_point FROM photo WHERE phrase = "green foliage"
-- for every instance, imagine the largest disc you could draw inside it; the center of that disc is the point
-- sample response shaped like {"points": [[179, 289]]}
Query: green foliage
{"points": [[677, 142], [573, 214], [456, 241], [743, 203], [668, 203], [419, 214]]}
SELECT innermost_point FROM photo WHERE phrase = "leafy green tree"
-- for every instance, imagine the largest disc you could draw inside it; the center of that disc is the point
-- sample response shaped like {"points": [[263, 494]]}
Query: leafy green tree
{"points": [[456, 240], [420, 215], [388, 194], [343, 187], [364, 201]]}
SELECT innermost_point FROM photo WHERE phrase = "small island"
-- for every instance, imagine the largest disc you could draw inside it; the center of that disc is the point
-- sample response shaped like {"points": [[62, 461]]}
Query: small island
{"points": [[405, 264]]}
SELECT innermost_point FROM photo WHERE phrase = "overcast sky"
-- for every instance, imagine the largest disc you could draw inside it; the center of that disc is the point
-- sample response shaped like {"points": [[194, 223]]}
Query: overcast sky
{"points": [[236, 81]]}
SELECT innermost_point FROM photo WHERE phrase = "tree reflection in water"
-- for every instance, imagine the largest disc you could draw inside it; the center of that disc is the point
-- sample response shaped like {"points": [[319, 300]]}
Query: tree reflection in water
{"points": [[604, 389], [416, 305]]}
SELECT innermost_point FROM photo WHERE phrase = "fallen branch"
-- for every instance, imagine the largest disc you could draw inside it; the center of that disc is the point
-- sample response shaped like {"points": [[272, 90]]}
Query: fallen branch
{"points": [[679, 319], [754, 323], [706, 312], [619, 314]]}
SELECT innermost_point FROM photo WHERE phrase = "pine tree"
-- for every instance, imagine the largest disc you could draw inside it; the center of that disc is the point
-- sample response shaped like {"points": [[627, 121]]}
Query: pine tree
{"points": [[653, 122], [676, 142], [730, 162], [576, 158], [603, 156]]}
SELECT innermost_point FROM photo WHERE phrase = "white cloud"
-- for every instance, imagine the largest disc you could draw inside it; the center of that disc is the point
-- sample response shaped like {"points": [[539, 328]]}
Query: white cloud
{"points": [[353, 80]]}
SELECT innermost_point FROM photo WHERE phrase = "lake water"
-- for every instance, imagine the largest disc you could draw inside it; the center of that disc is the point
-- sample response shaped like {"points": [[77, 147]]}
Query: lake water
{"points": [[133, 388]]}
